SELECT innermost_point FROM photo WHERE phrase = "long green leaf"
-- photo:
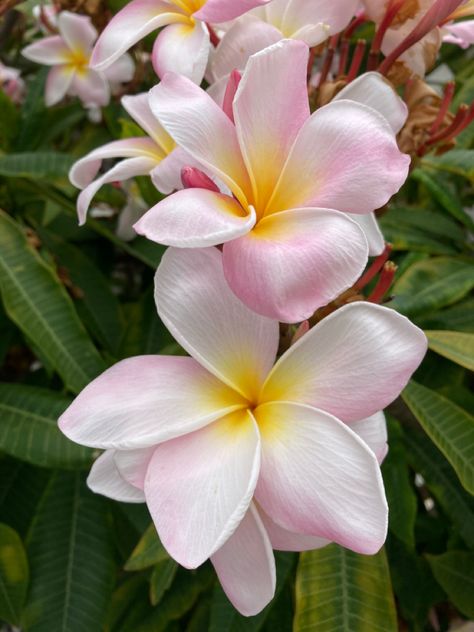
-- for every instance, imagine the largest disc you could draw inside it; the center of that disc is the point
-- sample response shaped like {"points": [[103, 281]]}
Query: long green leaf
{"points": [[70, 558], [454, 572], [450, 427], [29, 430], [340, 591], [35, 164], [457, 161], [13, 575], [454, 345], [37, 302], [148, 552]]}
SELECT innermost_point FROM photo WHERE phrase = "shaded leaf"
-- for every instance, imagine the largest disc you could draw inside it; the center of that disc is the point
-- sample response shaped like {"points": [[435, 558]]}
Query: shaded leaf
{"points": [[453, 571], [148, 552], [457, 161], [36, 164], [13, 575], [161, 579], [454, 345]]}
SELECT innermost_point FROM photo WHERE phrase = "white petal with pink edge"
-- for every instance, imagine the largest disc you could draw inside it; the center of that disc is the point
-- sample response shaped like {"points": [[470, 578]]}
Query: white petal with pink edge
{"points": [[121, 71], [245, 566], [50, 51], [166, 176], [319, 478], [270, 106], [296, 261], [353, 158], [373, 430], [104, 478], [369, 225], [199, 486], [138, 107], [91, 87], [183, 49], [143, 400], [374, 90], [137, 19], [58, 82], [77, 31], [284, 540], [352, 364], [195, 218], [133, 464], [199, 126], [211, 323], [223, 10], [334, 14]]}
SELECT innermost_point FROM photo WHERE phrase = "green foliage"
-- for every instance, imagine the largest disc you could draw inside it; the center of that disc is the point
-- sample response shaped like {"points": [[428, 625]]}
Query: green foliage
{"points": [[13, 575]]}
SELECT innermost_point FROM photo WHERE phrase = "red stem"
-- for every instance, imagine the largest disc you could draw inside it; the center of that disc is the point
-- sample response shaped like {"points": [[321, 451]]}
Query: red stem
{"points": [[445, 103], [374, 268], [357, 58], [384, 283]]}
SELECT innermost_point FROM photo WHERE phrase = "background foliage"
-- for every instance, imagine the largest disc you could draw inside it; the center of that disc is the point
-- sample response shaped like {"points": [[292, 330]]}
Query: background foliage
{"points": [[75, 300]]}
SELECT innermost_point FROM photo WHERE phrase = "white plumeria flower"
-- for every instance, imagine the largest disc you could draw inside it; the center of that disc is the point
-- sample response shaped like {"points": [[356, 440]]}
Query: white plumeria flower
{"points": [[69, 54], [11, 83], [198, 438]]}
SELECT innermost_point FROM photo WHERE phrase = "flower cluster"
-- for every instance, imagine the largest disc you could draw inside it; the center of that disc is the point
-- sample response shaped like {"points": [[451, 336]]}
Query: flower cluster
{"points": [[270, 433]]}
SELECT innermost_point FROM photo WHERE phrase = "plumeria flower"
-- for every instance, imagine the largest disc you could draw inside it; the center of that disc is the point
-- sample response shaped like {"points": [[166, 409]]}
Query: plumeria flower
{"points": [[69, 55], [285, 252], [11, 83], [199, 437], [142, 155], [311, 21], [183, 46]]}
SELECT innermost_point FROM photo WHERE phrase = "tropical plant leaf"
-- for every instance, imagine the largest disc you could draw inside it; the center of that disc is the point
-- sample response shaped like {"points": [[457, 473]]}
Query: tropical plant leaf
{"points": [[29, 429], [148, 552], [37, 302], [36, 164], [457, 161], [340, 591], [13, 575], [161, 579], [449, 426], [70, 559], [453, 571], [454, 345]]}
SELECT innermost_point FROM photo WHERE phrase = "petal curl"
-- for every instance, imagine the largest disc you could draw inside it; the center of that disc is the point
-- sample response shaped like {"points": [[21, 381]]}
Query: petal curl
{"points": [[49, 51], [183, 49], [216, 11], [104, 478]]}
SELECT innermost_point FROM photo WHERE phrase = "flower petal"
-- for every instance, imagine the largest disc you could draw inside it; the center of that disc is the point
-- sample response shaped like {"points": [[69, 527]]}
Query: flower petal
{"points": [[215, 11], [241, 41], [144, 400], [91, 88], [84, 170], [246, 567], [270, 106], [373, 430], [459, 33], [334, 14], [199, 126], [211, 323], [138, 107], [373, 90], [319, 478], [373, 234], [77, 31], [166, 176], [124, 170], [294, 262], [129, 26], [133, 464], [353, 158], [198, 487], [58, 82], [284, 540], [104, 478], [195, 218], [121, 71], [352, 364], [183, 49], [50, 51]]}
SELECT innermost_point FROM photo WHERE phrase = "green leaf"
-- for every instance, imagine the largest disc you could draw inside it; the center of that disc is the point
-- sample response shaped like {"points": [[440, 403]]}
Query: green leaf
{"points": [[161, 579], [431, 284], [455, 318], [70, 559], [453, 571], [8, 121], [13, 575], [37, 302], [29, 428], [399, 489], [442, 482], [443, 197], [337, 589], [454, 345], [450, 427], [457, 161], [36, 164], [148, 552]]}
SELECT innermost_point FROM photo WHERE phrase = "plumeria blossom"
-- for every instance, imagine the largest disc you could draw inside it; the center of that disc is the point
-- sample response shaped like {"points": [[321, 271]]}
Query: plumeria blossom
{"points": [[311, 21], [182, 46], [142, 155], [285, 252], [69, 55], [11, 83], [199, 437]]}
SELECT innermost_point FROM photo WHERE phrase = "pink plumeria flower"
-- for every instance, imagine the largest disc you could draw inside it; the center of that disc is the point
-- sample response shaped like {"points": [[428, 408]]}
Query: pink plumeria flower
{"points": [[311, 21], [69, 54], [459, 33], [183, 46], [199, 437], [142, 155], [11, 83], [285, 252]]}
